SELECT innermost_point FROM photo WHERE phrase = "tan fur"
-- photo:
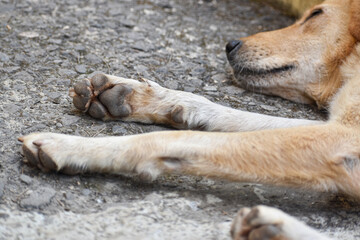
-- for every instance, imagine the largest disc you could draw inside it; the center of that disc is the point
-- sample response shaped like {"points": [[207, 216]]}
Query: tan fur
{"points": [[316, 47], [355, 19], [325, 55]]}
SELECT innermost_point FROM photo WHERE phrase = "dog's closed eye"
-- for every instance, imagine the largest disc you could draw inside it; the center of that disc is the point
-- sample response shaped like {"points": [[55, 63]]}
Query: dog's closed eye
{"points": [[314, 13]]}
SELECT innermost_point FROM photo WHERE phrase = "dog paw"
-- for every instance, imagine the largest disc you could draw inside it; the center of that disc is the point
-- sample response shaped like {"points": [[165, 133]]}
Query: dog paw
{"points": [[40, 149], [109, 97], [102, 98], [259, 223]]}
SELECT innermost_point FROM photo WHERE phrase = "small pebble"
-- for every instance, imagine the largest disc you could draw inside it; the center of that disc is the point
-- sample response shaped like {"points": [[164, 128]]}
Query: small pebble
{"points": [[210, 88], [80, 68], [26, 179], [29, 34]]}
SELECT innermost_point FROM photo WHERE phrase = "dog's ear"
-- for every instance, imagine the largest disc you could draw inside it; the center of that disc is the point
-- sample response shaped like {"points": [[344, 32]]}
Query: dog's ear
{"points": [[355, 19]]}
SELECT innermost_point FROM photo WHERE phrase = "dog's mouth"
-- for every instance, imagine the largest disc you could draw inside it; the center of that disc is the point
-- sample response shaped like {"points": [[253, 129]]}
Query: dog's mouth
{"points": [[253, 71]]}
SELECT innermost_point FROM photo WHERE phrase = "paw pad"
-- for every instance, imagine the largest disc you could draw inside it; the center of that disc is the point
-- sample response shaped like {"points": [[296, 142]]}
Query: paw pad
{"points": [[100, 98]]}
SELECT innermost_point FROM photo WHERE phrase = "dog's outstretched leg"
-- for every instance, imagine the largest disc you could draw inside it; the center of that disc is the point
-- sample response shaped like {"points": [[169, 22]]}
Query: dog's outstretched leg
{"points": [[109, 97], [293, 156], [266, 223]]}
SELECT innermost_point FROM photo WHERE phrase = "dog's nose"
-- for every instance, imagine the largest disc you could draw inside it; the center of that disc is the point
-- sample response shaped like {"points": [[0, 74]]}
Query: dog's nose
{"points": [[232, 45]]}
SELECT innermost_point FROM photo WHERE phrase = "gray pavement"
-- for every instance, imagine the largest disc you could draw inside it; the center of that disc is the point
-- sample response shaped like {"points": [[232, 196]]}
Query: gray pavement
{"points": [[46, 46]]}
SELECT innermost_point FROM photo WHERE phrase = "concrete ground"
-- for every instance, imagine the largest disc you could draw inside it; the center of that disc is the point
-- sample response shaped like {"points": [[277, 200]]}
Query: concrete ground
{"points": [[46, 46]]}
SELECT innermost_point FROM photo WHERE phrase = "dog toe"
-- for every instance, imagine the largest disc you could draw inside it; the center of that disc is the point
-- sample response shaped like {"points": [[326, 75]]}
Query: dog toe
{"points": [[81, 94], [30, 155], [258, 223], [97, 110], [100, 82]]}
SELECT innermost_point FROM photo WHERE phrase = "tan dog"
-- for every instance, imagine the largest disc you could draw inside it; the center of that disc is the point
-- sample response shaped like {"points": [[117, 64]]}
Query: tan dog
{"points": [[315, 60]]}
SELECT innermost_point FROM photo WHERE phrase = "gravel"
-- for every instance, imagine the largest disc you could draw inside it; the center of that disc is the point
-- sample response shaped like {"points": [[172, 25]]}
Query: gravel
{"points": [[2, 186], [46, 48], [26, 179], [38, 198]]}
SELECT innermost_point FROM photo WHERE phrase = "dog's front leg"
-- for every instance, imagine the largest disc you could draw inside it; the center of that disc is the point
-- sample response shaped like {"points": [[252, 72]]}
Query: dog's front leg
{"points": [[109, 97], [293, 157]]}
